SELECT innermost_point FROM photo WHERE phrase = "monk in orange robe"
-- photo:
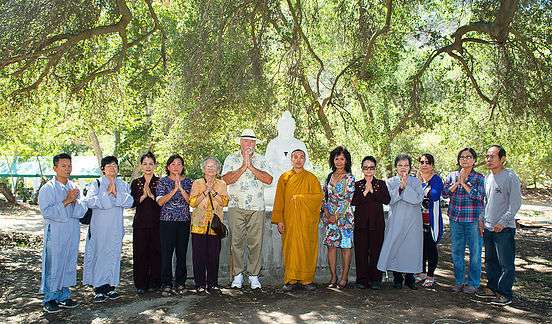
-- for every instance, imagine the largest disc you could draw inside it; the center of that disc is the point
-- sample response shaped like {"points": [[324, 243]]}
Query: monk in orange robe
{"points": [[297, 212]]}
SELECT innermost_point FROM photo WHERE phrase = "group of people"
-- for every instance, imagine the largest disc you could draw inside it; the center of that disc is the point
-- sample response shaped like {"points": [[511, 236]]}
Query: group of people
{"points": [[350, 214]]}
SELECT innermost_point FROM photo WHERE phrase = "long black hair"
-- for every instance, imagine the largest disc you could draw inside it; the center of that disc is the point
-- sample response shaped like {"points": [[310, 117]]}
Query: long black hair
{"points": [[338, 151]]}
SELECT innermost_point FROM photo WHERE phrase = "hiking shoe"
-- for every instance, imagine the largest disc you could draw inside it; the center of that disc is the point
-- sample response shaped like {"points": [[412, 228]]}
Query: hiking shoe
{"points": [[501, 300], [51, 307], [100, 298], [485, 293], [457, 288], [68, 303], [113, 295], [469, 289], [254, 282], [429, 282], [237, 282], [420, 277]]}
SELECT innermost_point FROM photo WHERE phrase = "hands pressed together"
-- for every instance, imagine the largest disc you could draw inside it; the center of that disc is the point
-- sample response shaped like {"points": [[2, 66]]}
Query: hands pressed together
{"points": [[71, 197]]}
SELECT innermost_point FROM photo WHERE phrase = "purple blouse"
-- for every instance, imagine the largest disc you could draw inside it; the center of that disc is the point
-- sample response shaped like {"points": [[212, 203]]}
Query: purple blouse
{"points": [[176, 209]]}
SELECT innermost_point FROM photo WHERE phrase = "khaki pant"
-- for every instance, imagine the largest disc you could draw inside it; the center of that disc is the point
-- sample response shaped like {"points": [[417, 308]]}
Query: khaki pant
{"points": [[246, 228]]}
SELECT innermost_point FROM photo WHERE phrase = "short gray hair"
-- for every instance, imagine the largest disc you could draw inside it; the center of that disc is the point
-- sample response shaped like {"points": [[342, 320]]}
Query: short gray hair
{"points": [[211, 158]]}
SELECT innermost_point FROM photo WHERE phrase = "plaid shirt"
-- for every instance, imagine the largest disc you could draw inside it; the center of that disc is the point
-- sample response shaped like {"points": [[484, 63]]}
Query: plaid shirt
{"points": [[464, 206]]}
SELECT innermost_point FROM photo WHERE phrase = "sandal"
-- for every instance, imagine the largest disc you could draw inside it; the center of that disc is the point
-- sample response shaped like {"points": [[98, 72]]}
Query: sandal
{"points": [[429, 282], [333, 284], [342, 284]]}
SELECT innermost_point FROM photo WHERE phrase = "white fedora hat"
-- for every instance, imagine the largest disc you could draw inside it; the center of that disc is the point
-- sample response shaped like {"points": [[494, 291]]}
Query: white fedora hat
{"points": [[247, 134]]}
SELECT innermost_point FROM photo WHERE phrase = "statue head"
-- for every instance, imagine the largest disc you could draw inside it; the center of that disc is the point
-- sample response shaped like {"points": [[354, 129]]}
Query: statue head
{"points": [[286, 125]]}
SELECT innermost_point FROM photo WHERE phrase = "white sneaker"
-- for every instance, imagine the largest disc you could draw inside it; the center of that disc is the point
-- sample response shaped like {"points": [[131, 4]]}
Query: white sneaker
{"points": [[237, 282], [254, 282]]}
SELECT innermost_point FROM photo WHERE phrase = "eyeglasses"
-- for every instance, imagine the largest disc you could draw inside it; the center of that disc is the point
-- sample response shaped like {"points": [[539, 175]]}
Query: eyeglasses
{"points": [[466, 157], [490, 157], [425, 162], [372, 168]]}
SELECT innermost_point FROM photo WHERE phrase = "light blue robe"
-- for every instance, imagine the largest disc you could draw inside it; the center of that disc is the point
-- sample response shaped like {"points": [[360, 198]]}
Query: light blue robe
{"points": [[102, 256], [61, 235], [402, 248]]}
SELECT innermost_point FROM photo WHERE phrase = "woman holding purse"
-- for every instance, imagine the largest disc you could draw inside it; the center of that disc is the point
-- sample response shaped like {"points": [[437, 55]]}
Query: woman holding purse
{"points": [[207, 198]]}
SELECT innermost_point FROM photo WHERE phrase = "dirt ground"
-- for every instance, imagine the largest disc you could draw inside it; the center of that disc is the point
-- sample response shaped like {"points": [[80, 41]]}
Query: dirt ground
{"points": [[20, 255]]}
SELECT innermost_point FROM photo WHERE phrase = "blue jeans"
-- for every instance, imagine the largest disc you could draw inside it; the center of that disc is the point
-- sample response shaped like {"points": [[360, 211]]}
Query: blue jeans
{"points": [[463, 233], [500, 253]]}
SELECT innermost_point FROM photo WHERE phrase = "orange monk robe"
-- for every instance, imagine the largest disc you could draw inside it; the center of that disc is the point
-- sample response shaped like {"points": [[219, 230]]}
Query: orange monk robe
{"points": [[297, 204]]}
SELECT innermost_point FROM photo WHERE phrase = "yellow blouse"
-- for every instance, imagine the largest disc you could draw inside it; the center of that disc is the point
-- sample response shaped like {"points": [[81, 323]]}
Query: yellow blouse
{"points": [[203, 213]]}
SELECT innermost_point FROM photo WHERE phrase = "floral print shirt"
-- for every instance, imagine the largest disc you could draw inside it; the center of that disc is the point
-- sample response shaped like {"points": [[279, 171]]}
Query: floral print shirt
{"points": [[248, 192]]}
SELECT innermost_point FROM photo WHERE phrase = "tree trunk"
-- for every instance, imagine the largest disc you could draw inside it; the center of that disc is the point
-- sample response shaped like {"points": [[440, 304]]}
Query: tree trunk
{"points": [[117, 139], [95, 143], [6, 191]]}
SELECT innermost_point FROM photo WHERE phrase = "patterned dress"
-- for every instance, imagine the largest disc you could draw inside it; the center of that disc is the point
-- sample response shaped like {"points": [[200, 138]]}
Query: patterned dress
{"points": [[338, 200]]}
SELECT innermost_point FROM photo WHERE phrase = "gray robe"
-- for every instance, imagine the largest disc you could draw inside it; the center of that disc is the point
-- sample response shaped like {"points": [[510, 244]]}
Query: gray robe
{"points": [[102, 256], [402, 248], [61, 235]]}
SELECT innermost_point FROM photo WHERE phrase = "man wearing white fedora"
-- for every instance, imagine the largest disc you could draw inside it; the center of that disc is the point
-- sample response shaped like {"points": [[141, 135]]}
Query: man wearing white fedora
{"points": [[246, 173]]}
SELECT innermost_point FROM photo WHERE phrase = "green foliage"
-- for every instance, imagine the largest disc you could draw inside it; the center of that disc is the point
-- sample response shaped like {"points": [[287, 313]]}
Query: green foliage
{"points": [[215, 67]]}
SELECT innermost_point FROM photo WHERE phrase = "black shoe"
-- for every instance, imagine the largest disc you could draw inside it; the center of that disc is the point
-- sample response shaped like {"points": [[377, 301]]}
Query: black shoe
{"points": [[214, 289], [113, 295], [411, 285], [140, 291], [68, 303], [397, 285], [485, 293], [288, 287], [376, 285], [100, 298], [51, 307], [501, 300], [166, 291], [360, 285], [309, 287]]}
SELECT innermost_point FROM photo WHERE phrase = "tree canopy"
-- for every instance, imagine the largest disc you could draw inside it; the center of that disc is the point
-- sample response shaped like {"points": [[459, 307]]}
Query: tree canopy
{"points": [[380, 77]]}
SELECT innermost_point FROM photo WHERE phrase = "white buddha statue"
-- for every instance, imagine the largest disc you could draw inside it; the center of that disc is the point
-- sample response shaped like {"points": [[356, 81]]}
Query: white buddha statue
{"points": [[278, 154]]}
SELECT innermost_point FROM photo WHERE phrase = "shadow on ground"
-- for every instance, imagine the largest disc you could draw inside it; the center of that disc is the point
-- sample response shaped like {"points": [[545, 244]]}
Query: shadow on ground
{"points": [[20, 277]]}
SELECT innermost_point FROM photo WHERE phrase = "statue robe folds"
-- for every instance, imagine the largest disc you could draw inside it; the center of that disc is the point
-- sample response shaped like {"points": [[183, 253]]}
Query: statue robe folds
{"points": [[61, 236], [297, 205], [102, 256], [403, 243]]}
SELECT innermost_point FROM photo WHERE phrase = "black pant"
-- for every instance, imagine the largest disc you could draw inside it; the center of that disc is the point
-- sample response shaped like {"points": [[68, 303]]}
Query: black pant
{"points": [[206, 251], [174, 237], [431, 255], [368, 244], [103, 289], [408, 278], [146, 255]]}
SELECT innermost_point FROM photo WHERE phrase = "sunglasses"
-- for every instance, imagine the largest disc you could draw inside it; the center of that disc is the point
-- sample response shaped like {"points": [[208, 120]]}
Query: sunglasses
{"points": [[368, 168], [425, 162]]}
